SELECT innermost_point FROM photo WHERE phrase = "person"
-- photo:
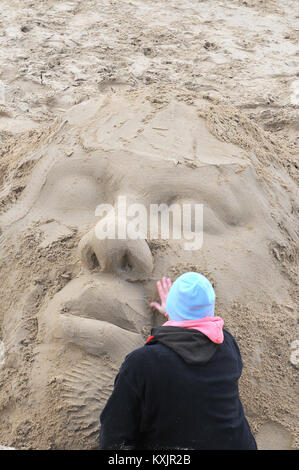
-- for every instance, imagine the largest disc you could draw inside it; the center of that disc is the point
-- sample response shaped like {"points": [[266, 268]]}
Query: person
{"points": [[180, 390]]}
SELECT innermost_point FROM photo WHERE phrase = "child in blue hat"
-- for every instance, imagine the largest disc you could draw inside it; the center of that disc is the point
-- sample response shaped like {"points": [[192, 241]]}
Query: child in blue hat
{"points": [[180, 390]]}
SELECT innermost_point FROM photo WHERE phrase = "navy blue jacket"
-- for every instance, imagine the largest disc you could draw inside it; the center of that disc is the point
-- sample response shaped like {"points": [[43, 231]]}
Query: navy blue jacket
{"points": [[178, 391]]}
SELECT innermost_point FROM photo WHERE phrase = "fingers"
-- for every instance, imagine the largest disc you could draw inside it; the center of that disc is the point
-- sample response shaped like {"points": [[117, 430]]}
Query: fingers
{"points": [[163, 288], [166, 284], [160, 308], [161, 291], [156, 305]]}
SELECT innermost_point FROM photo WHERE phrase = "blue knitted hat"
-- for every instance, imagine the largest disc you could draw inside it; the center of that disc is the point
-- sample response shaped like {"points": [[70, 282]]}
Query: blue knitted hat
{"points": [[191, 297]]}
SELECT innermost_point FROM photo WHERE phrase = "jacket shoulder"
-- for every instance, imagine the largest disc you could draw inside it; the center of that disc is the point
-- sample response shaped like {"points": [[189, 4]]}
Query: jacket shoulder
{"points": [[136, 358], [143, 353], [143, 360]]}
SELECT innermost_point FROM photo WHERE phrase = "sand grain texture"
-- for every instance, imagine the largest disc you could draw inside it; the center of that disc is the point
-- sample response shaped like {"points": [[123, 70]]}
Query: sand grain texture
{"points": [[163, 102]]}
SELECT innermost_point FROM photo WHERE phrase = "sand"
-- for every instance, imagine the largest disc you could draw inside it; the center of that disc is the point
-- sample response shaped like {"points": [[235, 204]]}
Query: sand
{"points": [[161, 102]]}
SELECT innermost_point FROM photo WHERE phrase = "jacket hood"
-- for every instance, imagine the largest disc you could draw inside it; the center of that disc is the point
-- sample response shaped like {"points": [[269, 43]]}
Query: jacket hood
{"points": [[212, 327], [191, 345]]}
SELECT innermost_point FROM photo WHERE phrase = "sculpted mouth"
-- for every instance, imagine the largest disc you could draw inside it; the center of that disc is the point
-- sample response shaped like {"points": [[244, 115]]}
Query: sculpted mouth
{"points": [[108, 299]]}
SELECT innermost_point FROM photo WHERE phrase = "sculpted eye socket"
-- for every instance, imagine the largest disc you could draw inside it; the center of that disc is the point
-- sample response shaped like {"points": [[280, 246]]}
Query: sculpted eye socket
{"points": [[75, 192], [72, 186]]}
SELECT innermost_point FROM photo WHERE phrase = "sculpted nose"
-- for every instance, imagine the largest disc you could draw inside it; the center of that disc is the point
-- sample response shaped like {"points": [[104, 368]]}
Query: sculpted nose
{"points": [[128, 259]]}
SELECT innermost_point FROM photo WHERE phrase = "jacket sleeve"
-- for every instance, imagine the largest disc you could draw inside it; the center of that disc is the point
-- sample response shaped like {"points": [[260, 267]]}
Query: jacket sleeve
{"points": [[120, 417]]}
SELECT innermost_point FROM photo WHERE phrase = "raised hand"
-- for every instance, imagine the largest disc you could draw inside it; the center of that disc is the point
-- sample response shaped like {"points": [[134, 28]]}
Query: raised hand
{"points": [[163, 287]]}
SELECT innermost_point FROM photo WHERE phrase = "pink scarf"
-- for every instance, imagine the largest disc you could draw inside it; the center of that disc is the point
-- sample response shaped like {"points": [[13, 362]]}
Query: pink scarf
{"points": [[212, 327]]}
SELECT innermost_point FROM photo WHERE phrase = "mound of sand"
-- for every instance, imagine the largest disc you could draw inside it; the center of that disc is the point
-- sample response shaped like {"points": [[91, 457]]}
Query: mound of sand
{"points": [[73, 305]]}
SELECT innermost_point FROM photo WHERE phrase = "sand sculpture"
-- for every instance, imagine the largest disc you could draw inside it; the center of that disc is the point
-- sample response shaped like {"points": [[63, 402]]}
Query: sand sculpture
{"points": [[73, 306]]}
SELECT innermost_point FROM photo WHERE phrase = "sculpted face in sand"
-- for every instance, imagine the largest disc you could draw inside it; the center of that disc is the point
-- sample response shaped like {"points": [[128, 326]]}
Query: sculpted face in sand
{"points": [[126, 145]]}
